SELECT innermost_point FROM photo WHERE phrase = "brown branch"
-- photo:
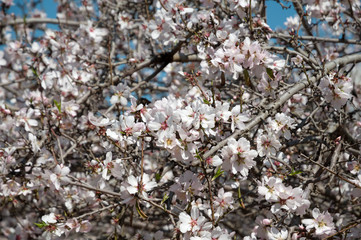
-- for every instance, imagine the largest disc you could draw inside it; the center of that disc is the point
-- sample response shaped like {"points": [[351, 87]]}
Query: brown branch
{"points": [[159, 207], [316, 39], [40, 21], [16, 81], [343, 230], [164, 58]]}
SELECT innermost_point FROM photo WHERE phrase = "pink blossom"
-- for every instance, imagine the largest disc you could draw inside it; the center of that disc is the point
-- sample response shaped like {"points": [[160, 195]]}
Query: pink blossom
{"points": [[192, 223], [238, 157], [321, 222], [138, 186]]}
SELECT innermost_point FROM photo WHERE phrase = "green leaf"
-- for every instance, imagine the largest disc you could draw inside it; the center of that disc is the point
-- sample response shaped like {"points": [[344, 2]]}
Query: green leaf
{"points": [[165, 197], [158, 176], [140, 212], [199, 156], [41, 225], [295, 172], [270, 73], [246, 77], [218, 173], [223, 79], [240, 200], [35, 72], [206, 101], [58, 105]]}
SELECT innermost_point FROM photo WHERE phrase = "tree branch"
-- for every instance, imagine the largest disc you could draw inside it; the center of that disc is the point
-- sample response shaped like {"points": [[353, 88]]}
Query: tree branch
{"points": [[316, 39], [40, 21]]}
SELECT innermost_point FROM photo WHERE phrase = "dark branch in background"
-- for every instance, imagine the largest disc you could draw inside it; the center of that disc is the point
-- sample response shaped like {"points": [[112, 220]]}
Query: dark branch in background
{"points": [[164, 58]]}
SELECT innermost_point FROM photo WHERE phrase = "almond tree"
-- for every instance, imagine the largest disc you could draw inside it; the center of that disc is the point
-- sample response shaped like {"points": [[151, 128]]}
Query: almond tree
{"points": [[164, 119]]}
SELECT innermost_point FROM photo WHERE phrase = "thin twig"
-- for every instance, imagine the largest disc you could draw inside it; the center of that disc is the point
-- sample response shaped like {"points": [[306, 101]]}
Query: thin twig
{"points": [[96, 189], [316, 39], [16, 81], [343, 230], [159, 206], [96, 211], [334, 173]]}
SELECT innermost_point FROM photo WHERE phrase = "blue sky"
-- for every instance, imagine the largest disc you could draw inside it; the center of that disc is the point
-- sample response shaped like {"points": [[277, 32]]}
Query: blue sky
{"points": [[275, 14], [49, 6]]}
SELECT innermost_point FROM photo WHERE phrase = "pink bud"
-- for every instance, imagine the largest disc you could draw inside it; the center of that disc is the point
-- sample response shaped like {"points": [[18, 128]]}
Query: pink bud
{"points": [[266, 221], [294, 236]]}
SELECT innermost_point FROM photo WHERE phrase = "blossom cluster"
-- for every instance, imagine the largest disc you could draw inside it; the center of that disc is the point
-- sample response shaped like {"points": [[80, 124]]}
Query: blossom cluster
{"points": [[336, 89]]}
